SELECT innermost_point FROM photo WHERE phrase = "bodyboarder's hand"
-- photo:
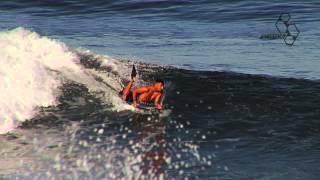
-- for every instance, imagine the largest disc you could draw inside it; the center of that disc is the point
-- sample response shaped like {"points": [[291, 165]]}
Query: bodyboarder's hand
{"points": [[159, 106]]}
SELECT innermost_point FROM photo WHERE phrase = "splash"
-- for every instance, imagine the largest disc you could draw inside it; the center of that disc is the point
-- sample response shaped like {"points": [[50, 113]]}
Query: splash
{"points": [[33, 68], [26, 81]]}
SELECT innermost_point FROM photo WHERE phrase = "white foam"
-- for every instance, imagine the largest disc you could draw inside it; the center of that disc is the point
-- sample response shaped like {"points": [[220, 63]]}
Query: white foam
{"points": [[32, 70], [26, 82]]}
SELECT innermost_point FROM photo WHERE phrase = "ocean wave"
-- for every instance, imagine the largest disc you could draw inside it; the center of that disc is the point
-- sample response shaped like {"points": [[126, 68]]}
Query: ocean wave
{"points": [[35, 68], [217, 120], [27, 82]]}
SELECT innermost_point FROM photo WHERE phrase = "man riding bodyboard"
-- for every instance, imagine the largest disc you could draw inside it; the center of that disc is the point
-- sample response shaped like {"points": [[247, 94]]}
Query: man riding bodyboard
{"points": [[143, 95]]}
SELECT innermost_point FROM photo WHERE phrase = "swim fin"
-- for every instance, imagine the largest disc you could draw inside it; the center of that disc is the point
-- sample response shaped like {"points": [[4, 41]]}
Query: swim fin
{"points": [[133, 72]]}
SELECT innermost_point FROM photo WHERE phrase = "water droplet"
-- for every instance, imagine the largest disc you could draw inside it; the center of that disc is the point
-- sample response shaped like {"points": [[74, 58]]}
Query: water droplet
{"points": [[226, 168], [168, 160], [57, 158], [85, 144], [100, 131]]}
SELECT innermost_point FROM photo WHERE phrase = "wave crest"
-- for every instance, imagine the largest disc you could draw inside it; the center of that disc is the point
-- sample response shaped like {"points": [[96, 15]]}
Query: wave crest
{"points": [[33, 70]]}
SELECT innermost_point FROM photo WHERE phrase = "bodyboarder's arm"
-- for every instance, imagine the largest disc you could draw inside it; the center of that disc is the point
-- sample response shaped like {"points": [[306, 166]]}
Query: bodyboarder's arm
{"points": [[157, 101], [127, 90]]}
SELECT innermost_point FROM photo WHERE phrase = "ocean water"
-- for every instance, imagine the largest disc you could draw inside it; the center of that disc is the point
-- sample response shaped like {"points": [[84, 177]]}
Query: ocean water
{"points": [[237, 106]]}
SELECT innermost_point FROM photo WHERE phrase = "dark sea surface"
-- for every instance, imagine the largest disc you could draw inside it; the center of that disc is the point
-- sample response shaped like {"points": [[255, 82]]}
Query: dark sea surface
{"points": [[236, 107]]}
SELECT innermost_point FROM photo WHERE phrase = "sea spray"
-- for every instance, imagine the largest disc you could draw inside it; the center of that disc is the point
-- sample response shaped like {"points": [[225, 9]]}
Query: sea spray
{"points": [[34, 68], [26, 80]]}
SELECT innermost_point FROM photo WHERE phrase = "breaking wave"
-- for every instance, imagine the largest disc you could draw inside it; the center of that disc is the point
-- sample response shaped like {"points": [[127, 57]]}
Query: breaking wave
{"points": [[34, 69]]}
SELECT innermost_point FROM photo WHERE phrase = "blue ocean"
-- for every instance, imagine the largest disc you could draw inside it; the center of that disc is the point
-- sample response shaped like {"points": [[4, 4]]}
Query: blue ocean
{"points": [[240, 103]]}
